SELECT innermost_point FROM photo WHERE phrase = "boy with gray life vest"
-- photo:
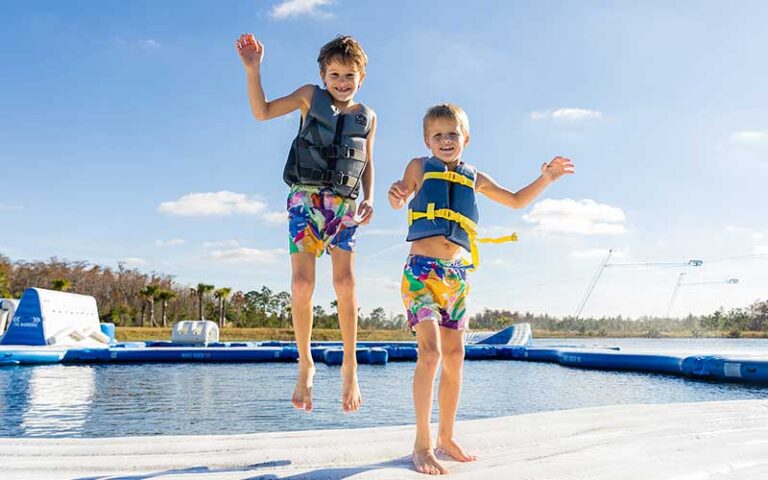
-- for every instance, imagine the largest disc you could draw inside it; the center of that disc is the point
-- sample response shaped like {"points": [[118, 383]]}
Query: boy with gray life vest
{"points": [[442, 219], [329, 161]]}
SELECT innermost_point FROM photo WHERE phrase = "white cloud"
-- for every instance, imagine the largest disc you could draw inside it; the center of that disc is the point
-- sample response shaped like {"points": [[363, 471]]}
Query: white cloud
{"points": [[213, 204], [174, 242], [598, 253], [296, 8], [761, 250], [275, 218], [149, 43], [248, 255], [221, 244], [755, 234], [567, 114], [133, 261], [579, 217], [750, 139]]}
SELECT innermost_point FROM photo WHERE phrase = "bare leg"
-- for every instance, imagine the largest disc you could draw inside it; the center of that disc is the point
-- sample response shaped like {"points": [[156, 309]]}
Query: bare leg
{"points": [[452, 342], [428, 340], [344, 285], [302, 286]]}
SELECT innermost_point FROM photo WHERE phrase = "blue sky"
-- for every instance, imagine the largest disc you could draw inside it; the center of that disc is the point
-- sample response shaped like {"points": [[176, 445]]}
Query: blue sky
{"points": [[126, 136]]}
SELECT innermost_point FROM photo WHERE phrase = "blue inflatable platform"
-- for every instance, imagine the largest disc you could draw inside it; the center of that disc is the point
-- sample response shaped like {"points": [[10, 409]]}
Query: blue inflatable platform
{"points": [[55, 327]]}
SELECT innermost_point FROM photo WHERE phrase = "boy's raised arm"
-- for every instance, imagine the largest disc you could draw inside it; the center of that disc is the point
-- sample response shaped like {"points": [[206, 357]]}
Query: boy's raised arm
{"points": [[550, 172], [251, 52], [402, 189]]}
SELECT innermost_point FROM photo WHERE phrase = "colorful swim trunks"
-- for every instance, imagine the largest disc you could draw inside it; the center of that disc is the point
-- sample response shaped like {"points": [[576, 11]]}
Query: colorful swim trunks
{"points": [[435, 289], [320, 220]]}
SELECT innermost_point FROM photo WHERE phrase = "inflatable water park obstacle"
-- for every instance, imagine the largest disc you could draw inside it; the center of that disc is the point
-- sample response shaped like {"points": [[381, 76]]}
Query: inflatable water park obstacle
{"points": [[55, 327]]}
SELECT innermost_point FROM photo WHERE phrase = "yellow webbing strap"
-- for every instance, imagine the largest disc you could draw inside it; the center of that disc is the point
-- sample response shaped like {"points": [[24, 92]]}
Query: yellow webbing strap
{"points": [[506, 238], [467, 224], [450, 177], [430, 211]]}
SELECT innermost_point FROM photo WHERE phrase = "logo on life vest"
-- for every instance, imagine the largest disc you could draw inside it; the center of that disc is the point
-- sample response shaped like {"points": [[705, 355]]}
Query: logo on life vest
{"points": [[361, 119]]}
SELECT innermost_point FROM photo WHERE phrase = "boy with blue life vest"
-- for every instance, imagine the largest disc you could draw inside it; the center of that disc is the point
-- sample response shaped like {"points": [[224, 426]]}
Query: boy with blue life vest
{"points": [[442, 220], [330, 160]]}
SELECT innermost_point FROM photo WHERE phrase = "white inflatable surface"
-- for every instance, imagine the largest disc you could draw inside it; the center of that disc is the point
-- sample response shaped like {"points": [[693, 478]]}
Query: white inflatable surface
{"points": [[198, 332], [47, 317], [685, 441]]}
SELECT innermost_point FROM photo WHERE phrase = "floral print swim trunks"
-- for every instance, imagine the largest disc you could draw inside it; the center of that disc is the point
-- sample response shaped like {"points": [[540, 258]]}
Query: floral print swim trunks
{"points": [[435, 289], [319, 220]]}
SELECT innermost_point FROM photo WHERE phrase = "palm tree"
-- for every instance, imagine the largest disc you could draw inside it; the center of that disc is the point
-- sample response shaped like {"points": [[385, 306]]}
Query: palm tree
{"points": [[335, 308], [164, 296], [149, 293], [200, 291], [264, 299], [283, 305], [221, 295]]}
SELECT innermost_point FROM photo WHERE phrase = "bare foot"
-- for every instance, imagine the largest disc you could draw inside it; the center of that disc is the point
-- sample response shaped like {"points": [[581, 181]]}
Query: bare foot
{"points": [[454, 450], [425, 462], [350, 390], [302, 394]]}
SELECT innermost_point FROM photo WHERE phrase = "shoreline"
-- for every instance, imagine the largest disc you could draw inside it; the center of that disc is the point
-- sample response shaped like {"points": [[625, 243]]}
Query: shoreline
{"points": [[228, 334], [723, 439]]}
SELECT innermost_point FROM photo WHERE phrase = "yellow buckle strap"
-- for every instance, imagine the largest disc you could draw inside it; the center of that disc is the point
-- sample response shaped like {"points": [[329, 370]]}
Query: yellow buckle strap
{"points": [[503, 239], [450, 177], [473, 241], [467, 224], [473, 252]]}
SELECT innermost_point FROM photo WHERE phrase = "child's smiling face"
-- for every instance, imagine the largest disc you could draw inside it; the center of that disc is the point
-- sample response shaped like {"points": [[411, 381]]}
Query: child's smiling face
{"points": [[342, 80], [446, 139]]}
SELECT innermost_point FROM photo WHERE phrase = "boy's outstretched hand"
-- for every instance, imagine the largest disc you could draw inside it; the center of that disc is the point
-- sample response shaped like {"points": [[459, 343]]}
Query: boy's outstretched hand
{"points": [[251, 51], [558, 167], [397, 194]]}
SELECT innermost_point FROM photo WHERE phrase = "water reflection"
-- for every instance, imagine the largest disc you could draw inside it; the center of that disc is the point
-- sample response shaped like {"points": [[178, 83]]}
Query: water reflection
{"points": [[46, 400], [205, 399]]}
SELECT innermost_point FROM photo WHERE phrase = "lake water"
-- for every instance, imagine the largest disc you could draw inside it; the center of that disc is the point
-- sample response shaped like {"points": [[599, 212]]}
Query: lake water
{"points": [[192, 399]]}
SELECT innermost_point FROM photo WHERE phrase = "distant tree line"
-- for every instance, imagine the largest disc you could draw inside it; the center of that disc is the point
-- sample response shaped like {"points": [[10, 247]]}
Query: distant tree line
{"points": [[731, 323], [128, 297]]}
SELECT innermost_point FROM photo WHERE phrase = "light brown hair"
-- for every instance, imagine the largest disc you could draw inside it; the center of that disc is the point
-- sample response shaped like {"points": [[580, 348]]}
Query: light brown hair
{"points": [[346, 50], [448, 111]]}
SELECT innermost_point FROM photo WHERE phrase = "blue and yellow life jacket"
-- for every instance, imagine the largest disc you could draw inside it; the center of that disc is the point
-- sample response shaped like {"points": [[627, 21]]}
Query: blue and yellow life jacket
{"points": [[445, 206]]}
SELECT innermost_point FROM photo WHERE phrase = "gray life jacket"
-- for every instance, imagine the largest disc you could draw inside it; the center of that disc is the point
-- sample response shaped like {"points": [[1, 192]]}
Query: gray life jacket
{"points": [[330, 149]]}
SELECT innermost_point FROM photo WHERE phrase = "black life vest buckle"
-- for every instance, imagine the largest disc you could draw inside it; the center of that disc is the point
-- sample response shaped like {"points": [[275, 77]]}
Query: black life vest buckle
{"points": [[340, 178], [319, 175], [337, 151]]}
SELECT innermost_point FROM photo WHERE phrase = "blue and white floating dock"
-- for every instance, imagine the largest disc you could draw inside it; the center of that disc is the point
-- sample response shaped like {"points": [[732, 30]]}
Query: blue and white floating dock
{"points": [[55, 327]]}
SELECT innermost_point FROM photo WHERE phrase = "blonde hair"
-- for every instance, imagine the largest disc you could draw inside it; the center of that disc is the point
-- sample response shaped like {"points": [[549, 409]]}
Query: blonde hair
{"points": [[447, 111], [346, 50]]}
